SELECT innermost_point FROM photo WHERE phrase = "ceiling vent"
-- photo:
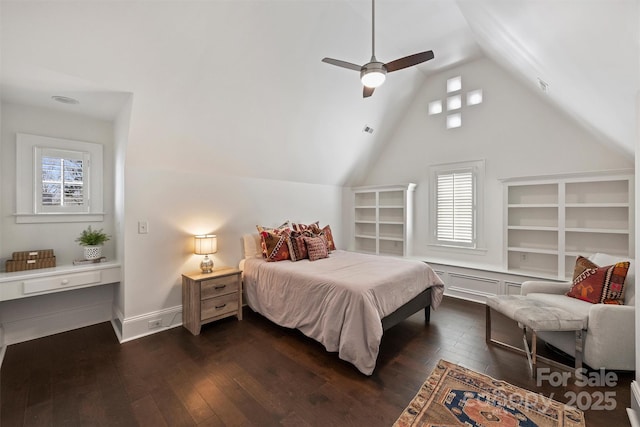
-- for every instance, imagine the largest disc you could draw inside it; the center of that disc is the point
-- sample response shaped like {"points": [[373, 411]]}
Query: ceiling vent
{"points": [[65, 99], [544, 86]]}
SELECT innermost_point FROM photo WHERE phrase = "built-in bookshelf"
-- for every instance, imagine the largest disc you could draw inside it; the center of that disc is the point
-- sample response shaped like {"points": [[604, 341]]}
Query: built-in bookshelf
{"points": [[383, 217], [550, 221]]}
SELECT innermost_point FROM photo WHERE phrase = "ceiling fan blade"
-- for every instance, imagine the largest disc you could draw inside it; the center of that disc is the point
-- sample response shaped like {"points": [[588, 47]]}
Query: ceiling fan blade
{"points": [[343, 64], [409, 61], [367, 91]]}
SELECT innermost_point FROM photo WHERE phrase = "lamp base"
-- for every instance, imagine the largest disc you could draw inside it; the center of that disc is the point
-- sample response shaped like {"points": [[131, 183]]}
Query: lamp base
{"points": [[206, 265]]}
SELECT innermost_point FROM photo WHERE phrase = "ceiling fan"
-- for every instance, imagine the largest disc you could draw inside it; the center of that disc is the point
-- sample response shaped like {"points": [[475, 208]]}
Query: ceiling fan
{"points": [[373, 73]]}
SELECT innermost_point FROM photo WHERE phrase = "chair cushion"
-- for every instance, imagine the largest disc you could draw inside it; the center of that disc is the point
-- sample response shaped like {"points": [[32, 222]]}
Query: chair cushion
{"points": [[550, 318], [536, 314], [573, 305]]}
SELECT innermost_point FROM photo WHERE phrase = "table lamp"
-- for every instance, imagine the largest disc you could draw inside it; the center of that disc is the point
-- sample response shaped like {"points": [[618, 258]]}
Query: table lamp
{"points": [[206, 244]]}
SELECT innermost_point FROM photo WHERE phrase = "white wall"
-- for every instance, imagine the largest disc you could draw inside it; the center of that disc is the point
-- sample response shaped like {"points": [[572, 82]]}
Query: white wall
{"points": [[120, 140], [32, 317], [59, 236], [178, 204], [516, 130]]}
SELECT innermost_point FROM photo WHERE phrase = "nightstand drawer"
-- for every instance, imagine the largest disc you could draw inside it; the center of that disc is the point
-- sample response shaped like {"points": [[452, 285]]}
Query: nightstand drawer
{"points": [[219, 286], [218, 306]]}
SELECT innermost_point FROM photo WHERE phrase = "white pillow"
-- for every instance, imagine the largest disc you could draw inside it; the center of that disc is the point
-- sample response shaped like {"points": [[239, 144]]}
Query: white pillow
{"points": [[252, 247]]}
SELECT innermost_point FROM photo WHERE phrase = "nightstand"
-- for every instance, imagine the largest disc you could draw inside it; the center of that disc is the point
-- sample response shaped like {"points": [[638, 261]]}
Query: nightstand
{"points": [[210, 296]]}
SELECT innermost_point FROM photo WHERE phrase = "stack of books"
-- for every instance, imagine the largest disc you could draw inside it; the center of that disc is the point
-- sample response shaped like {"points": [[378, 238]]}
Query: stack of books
{"points": [[89, 261]]}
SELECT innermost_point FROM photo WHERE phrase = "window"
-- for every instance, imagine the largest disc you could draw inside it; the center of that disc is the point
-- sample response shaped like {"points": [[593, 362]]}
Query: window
{"points": [[58, 180], [456, 200], [63, 180]]}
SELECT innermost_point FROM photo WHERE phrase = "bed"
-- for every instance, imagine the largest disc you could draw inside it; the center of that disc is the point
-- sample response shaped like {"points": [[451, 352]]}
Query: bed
{"points": [[345, 302]]}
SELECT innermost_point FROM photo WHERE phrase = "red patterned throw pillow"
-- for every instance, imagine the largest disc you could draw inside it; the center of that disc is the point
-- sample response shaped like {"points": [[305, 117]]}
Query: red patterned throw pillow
{"points": [[297, 246], [274, 242], [326, 230], [316, 247], [582, 264], [600, 284], [313, 227]]}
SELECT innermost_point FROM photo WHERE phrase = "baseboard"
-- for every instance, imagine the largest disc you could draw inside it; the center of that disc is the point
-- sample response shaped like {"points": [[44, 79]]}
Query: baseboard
{"points": [[138, 326], [470, 294], [38, 326], [633, 417], [116, 322], [634, 411], [3, 346], [3, 350]]}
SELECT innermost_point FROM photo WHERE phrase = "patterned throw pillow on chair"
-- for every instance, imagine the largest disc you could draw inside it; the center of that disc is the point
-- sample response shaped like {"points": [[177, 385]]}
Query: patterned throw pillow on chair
{"points": [[582, 264], [599, 284]]}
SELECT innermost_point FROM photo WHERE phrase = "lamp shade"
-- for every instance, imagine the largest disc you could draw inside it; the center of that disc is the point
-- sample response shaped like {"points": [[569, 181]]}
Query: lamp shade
{"points": [[206, 244]]}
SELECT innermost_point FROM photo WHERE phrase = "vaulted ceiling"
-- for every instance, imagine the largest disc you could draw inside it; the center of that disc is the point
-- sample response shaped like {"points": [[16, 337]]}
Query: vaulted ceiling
{"points": [[234, 81]]}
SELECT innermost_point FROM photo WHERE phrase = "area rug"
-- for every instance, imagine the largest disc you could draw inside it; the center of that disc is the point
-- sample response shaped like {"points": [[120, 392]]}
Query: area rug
{"points": [[457, 396]]}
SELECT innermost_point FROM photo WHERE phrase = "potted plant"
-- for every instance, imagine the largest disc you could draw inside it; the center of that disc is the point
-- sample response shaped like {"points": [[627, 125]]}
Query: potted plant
{"points": [[92, 240]]}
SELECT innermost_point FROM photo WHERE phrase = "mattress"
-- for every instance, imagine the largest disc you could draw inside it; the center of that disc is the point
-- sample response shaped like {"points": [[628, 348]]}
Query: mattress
{"points": [[338, 301]]}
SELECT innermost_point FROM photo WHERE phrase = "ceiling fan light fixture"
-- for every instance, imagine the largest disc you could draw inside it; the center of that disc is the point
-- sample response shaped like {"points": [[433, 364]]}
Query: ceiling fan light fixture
{"points": [[373, 75]]}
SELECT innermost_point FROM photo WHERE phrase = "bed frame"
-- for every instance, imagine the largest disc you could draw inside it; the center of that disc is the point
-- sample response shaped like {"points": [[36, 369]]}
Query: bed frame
{"points": [[422, 300]]}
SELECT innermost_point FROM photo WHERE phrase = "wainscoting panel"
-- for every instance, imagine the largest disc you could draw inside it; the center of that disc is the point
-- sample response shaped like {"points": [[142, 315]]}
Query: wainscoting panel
{"points": [[512, 288], [472, 287], [38, 326], [476, 284]]}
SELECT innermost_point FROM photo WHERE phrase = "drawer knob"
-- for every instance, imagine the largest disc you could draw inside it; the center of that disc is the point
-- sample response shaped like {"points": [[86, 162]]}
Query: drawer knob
{"points": [[218, 307], [65, 282], [219, 287]]}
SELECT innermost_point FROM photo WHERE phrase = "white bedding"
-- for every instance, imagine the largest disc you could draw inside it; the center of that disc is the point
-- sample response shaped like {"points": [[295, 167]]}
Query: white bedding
{"points": [[338, 301]]}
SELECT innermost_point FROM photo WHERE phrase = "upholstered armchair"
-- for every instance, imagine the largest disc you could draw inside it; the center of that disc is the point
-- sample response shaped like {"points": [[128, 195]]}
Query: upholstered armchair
{"points": [[609, 341]]}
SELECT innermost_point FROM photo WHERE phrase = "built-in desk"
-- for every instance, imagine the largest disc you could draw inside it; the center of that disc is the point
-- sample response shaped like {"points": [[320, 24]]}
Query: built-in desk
{"points": [[31, 283]]}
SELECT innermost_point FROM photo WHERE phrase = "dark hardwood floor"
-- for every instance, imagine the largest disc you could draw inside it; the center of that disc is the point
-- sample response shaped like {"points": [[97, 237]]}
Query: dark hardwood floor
{"points": [[255, 373]]}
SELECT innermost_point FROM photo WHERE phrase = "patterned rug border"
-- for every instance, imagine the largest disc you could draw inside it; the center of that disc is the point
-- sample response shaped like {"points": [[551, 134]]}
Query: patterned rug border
{"points": [[554, 413]]}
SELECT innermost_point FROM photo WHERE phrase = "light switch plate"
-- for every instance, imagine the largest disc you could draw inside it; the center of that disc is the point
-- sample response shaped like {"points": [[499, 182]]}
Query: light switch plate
{"points": [[143, 227]]}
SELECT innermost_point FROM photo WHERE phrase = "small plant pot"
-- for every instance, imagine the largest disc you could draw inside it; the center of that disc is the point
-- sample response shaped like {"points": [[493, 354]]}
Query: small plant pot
{"points": [[92, 252]]}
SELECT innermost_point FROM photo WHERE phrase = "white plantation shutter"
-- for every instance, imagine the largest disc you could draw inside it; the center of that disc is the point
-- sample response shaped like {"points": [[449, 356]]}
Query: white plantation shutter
{"points": [[62, 180], [456, 204], [455, 207]]}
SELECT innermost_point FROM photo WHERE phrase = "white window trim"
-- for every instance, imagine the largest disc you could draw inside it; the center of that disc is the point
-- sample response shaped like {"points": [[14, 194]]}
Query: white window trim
{"points": [[26, 180], [478, 168]]}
